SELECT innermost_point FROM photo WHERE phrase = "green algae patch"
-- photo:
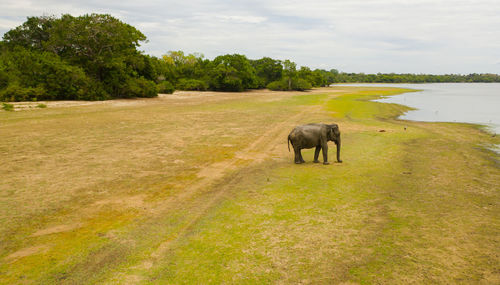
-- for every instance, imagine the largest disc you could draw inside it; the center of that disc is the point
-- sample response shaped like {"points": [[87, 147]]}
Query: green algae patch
{"points": [[358, 106]]}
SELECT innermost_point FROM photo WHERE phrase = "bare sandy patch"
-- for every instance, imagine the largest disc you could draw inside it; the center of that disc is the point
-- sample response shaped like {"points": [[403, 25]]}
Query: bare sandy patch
{"points": [[215, 170], [27, 252], [57, 229], [130, 201], [182, 96]]}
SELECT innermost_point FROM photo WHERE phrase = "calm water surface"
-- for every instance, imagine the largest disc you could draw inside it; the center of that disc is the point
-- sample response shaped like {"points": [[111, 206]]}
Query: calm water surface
{"points": [[477, 103]]}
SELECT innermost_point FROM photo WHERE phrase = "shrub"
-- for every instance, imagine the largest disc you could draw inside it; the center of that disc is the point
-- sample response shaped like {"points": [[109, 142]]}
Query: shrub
{"points": [[62, 81], [7, 107], [301, 85], [4, 79], [227, 84], [139, 87], [14, 92], [165, 87], [192, 84], [42, 106], [28, 72], [93, 91], [282, 85], [279, 85], [234, 84]]}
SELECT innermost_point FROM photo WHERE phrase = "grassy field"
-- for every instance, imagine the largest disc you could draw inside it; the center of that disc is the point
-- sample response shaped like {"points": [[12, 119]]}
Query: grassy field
{"points": [[199, 188]]}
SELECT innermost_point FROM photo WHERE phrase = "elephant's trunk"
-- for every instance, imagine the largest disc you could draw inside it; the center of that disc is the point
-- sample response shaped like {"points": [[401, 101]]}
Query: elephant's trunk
{"points": [[338, 150]]}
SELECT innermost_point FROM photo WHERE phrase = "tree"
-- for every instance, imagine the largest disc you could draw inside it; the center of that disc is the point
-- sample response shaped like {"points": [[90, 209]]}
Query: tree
{"points": [[232, 73], [313, 77], [102, 46], [31, 34], [267, 70], [181, 66], [41, 75], [293, 80], [289, 72], [98, 43]]}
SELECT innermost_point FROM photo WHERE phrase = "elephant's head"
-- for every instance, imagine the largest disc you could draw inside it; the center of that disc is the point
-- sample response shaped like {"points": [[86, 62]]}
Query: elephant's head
{"points": [[334, 135]]}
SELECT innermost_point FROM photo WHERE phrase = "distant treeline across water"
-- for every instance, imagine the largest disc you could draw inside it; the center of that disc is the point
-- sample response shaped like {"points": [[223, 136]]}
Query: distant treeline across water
{"points": [[95, 57], [415, 78]]}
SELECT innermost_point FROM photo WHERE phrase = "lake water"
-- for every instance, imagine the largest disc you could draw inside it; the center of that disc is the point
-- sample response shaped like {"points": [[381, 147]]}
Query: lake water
{"points": [[477, 103]]}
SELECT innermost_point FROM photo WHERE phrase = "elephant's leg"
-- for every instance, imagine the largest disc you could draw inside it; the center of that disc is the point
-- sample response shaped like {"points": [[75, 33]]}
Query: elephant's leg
{"points": [[301, 159], [297, 160], [316, 154], [325, 153], [298, 156], [338, 151]]}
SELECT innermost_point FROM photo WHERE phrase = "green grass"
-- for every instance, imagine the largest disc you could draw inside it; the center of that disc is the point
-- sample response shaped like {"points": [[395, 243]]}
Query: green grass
{"points": [[358, 106], [369, 220], [414, 205]]}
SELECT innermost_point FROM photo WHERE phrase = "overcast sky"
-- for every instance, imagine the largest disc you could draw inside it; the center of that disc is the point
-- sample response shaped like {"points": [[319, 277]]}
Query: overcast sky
{"points": [[419, 36]]}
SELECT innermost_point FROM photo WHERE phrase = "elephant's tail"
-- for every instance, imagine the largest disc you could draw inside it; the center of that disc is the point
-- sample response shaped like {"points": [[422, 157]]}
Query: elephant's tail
{"points": [[289, 140]]}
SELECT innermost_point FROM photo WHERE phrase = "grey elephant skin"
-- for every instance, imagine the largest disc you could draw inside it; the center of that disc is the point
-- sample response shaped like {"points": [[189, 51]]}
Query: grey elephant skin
{"points": [[314, 135]]}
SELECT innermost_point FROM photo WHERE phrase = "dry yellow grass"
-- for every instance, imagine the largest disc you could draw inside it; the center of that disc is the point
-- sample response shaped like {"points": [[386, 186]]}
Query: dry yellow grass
{"points": [[200, 187]]}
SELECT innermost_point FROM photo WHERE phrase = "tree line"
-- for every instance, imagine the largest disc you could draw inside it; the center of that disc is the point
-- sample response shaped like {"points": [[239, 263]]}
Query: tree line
{"points": [[416, 78], [96, 57]]}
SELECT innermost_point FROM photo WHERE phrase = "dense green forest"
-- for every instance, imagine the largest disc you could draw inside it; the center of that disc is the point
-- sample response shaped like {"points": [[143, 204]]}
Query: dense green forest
{"points": [[96, 57]]}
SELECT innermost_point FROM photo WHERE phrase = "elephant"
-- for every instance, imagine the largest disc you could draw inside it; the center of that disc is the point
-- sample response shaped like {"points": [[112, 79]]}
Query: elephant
{"points": [[314, 135]]}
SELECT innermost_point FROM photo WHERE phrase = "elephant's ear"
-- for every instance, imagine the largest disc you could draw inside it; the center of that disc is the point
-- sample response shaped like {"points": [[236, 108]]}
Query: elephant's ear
{"points": [[330, 131], [335, 129]]}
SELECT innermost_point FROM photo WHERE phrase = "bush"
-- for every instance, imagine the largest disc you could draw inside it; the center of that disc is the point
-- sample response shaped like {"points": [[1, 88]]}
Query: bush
{"points": [[282, 85], [25, 73], [301, 85], [7, 107], [279, 85], [139, 87], [62, 81], [92, 92], [227, 84], [165, 87], [233, 84], [192, 84], [4, 79], [14, 92]]}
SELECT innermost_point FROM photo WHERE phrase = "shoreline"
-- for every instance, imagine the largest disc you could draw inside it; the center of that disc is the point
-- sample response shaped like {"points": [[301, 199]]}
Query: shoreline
{"points": [[490, 129], [428, 111]]}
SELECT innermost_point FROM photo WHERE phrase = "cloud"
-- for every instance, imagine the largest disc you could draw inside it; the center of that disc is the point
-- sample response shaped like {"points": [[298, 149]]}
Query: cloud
{"points": [[241, 19], [438, 36]]}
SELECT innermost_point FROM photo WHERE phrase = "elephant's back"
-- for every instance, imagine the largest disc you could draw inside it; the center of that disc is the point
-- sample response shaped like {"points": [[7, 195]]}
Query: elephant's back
{"points": [[306, 135], [307, 129], [294, 133]]}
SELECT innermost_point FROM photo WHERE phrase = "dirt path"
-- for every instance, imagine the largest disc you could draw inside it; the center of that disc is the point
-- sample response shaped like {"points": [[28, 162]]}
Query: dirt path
{"points": [[268, 145], [178, 97]]}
